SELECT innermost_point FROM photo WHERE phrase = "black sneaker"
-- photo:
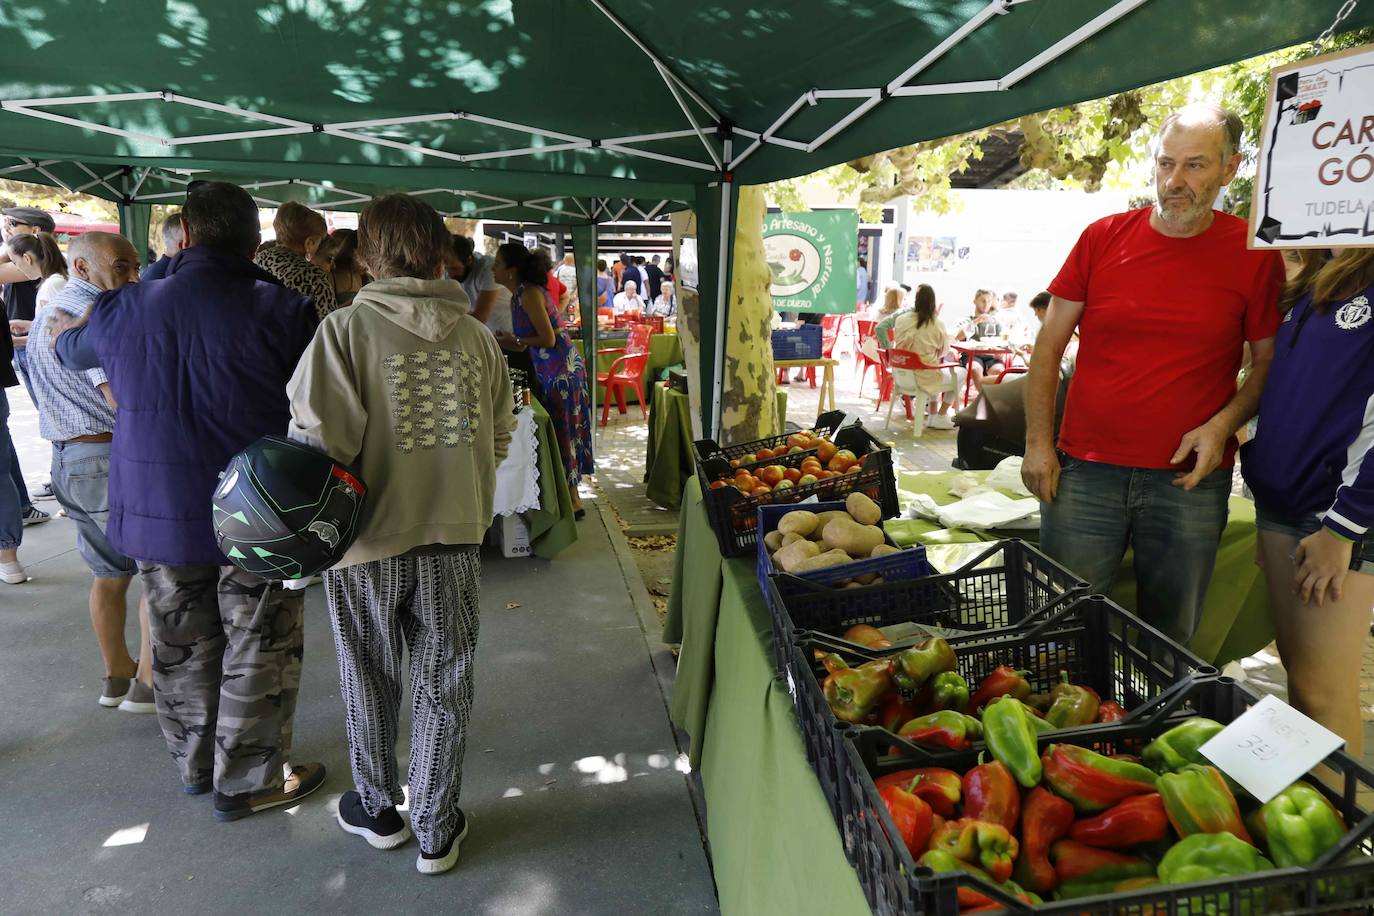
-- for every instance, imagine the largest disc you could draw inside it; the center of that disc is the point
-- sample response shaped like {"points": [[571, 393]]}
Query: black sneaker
{"points": [[303, 780], [385, 831], [34, 516], [442, 860]]}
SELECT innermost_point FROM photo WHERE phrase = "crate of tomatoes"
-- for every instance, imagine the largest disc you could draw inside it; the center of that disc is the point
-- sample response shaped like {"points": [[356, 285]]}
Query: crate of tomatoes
{"points": [[827, 462], [1118, 818], [1090, 662]]}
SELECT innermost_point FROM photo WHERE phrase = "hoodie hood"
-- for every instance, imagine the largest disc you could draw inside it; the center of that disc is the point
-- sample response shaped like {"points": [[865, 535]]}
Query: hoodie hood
{"points": [[426, 308]]}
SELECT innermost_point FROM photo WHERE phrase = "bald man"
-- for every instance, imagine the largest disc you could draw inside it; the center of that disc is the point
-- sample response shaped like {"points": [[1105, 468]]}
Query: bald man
{"points": [[76, 414]]}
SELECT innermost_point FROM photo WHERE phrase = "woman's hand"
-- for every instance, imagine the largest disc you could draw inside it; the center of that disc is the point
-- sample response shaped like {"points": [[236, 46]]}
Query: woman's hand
{"points": [[1322, 561], [508, 341], [20, 327]]}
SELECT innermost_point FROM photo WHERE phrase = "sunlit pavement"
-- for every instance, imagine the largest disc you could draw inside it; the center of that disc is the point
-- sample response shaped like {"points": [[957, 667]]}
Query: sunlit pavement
{"points": [[574, 786]]}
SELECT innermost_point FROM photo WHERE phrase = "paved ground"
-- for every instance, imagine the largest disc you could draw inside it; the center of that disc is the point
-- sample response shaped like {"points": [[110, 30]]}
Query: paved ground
{"points": [[574, 784]]}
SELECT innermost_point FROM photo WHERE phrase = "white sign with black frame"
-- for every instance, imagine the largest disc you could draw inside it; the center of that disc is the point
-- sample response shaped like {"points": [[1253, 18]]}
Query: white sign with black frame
{"points": [[1314, 181]]}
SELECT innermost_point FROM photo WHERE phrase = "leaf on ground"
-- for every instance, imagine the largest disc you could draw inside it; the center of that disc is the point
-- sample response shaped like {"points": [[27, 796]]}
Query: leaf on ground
{"points": [[511, 605]]}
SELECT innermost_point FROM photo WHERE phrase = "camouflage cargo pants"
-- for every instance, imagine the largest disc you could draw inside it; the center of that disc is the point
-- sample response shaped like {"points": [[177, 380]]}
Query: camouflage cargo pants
{"points": [[227, 651]]}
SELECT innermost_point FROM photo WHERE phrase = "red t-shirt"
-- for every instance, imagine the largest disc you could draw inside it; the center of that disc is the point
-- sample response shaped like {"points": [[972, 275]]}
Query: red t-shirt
{"points": [[1160, 340]]}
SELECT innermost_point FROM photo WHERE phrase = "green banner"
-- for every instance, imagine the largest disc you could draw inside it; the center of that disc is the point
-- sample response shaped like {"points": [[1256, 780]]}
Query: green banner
{"points": [[814, 260]]}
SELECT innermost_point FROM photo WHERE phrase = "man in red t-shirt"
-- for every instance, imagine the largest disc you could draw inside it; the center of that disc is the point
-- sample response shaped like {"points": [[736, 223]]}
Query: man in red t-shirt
{"points": [[1164, 300]]}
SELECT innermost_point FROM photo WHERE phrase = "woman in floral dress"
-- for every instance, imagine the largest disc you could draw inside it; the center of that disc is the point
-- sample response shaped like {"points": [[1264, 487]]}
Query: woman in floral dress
{"points": [[560, 372]]}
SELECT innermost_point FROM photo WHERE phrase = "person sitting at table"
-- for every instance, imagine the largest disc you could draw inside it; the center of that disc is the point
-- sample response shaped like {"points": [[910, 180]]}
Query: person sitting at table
{"points": [[921, 332], [628, 299], [983, 325], [1312, 474], [893, 298], [558, 369], [665, 303]]}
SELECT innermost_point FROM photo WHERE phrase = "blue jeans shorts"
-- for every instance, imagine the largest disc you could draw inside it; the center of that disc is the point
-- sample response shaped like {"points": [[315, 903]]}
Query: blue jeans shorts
{"points": [[81, 483], [1361, 555]]}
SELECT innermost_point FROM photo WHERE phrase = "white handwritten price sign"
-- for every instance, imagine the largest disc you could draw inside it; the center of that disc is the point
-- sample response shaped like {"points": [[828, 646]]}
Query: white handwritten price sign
{"points": [[1314, 179], [1270, 747]]}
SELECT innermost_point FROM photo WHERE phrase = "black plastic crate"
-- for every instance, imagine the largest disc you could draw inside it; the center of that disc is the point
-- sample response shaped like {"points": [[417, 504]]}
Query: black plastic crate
{"points": [[908, 563], [1008, 583], [1098, 643], [1341, 881], [802, 342], [734, 516]]}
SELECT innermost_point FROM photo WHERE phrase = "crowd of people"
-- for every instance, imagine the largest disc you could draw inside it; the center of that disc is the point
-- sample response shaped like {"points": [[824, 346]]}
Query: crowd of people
{"points": [[387, 348], [636, 285]]}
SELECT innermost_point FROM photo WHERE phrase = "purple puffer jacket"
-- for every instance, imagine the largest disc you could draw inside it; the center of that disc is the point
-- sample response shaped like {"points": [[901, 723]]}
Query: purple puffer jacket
{"points": [[199, 363]]}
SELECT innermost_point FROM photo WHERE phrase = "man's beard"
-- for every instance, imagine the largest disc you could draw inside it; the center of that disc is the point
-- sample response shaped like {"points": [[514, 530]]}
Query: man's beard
{"points": [[1184, 218]]}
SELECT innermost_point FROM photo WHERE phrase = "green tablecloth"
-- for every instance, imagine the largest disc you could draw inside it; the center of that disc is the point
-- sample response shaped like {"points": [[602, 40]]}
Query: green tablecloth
{"points": [[668, 459], [552, 527], [774, 844], [1235, 617], [664, 350]]}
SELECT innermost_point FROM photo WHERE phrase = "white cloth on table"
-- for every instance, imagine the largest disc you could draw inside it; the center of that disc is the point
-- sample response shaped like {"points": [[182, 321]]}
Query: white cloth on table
{"points": [[517, 478]]}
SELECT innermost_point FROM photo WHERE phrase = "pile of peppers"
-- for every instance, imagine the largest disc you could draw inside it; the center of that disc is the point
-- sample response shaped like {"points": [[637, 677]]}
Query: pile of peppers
{"points": [[1076, 823]]}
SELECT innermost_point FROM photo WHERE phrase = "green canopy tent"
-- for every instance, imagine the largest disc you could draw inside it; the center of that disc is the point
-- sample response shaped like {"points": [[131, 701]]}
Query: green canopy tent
{"points": [[562, 111]]}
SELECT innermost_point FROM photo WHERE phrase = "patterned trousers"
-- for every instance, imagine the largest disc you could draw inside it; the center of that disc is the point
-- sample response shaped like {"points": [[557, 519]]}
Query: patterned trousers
{"points": [[427, 604], [227, 650]]}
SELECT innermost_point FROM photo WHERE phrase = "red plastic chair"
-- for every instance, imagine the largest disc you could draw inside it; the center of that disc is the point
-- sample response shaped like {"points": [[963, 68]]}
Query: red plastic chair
{"points": [[867, 328], [626, 372], [909, 360], [1011, 370]]}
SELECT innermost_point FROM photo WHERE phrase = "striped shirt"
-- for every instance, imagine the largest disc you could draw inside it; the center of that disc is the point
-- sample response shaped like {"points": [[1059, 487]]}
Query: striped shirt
{"points": [[69, 402]]}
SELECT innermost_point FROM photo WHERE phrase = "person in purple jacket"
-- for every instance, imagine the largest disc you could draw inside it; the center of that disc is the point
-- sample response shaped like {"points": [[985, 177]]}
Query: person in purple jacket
{"points": [[198, 363], [1311, 470]]}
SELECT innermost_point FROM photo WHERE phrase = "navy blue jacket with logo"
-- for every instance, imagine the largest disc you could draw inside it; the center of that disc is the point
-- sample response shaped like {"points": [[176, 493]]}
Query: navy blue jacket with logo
{"points": [[199, 363], [1312, 450]]}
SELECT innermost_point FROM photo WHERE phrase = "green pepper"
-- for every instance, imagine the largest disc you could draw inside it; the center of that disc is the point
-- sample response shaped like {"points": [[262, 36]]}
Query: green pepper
{"points": [[1205, 856], [947, 728], [987, 845], [1178, 747], [854, 692], [1012, 740], [1197, 800], [939, 861], [1091, 781], [1297, 826], [921, 662], [1073, 705], [948, 690], [1074, 861]]}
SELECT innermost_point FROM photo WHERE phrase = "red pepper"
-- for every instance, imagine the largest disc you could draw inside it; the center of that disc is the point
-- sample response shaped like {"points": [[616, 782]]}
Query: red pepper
{"points": [[1139, 819], [1003, 681], [946, 728], [897, 710], [1111, 712], [1075, 861], [991, 795], [1091, 781], [912, 817], [937, 787], [1047, 818]]}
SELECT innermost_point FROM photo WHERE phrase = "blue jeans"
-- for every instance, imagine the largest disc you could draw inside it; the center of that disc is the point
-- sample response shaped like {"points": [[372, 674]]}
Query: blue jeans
{"points": [[1100, 509], [11, 484]]}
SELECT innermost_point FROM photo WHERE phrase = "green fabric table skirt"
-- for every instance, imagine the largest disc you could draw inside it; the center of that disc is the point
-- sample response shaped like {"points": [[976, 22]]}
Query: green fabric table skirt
{"points": [[1235, 616], [552, 527], [774, 845], [668, 458], [664, 350]]}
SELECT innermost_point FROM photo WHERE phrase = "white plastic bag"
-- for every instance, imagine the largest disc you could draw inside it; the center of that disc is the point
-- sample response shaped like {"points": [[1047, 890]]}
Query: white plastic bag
{"points": [[1007, 477], [988, 510]]}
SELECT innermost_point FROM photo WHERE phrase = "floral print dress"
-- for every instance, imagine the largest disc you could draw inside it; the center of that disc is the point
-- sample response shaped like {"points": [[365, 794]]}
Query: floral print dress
{"points": [[562, 377]]}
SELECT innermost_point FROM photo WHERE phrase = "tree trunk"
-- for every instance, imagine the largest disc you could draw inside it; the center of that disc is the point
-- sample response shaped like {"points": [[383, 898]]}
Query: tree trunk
{"points": [[750, 410]]}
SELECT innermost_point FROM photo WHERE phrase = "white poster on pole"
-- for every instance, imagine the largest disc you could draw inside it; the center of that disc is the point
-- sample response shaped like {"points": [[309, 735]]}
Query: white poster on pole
{"points": [[1314, 184]]}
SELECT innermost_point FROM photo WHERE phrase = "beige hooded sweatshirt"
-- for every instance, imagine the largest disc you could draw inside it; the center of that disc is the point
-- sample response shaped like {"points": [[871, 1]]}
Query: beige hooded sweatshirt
{"points": [[412, 392]]}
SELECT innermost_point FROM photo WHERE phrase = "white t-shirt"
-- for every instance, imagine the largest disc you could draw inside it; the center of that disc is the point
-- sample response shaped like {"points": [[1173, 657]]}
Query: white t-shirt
{"points": [[624, 303], [47, 289], [480, 280], [567, 275]]}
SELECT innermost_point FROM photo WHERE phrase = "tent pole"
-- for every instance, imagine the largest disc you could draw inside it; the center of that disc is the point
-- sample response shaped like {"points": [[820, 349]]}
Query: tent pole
{"points": [[722, 298]]}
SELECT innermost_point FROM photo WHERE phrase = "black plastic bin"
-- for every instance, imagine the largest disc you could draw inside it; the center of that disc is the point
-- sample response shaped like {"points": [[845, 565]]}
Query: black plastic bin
{"points": [[734, 516], [909, 563], [1342, 881], [1099, 644]]}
